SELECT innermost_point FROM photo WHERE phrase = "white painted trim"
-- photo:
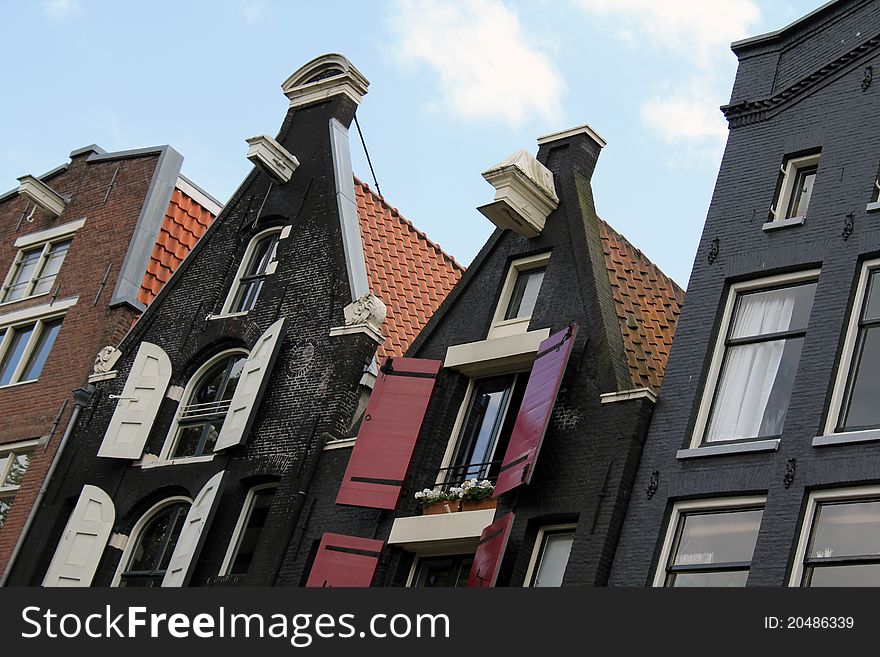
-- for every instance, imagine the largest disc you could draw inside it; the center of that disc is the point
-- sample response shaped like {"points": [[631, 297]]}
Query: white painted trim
{"points": [[40, 193], [708, 392], [789, 176], [171, 438], [53, 234], [847, 438], [175, 393], [46, 311], [776, 224], [339, 444], [103, 376], [627, 395], [135, 534], [354, 329], [243, 518], [414, 533], [496, 355], [501, 327], [536, 548], [212, 205], [118, 541], [873, 206], [242, 266], [690, 506], [744, 447], [272, 158], [846, 355], [571, 132], [851, 494]]}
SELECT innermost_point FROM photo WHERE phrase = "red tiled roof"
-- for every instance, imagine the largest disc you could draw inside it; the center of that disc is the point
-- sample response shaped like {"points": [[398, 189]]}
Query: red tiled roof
{"points": [[648, 304], [185, 222], [410, 273]]}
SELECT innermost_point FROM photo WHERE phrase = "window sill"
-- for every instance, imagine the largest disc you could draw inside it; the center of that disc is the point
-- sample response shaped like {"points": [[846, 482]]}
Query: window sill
{"points": [[778, 224], [29, 298], [227, 315], [734, 448], [847, 438], [17, 384], [874, 206], [339, 444], [159, 463]]}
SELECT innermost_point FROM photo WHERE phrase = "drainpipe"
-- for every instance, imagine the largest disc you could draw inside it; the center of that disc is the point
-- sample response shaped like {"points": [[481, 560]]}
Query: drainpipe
{"points": [[81, 397]]}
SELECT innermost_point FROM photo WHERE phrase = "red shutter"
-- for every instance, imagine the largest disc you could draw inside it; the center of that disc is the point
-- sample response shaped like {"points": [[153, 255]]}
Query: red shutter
{"points": [[345, 561], [535, 411], [388, 433], [487, 560]]}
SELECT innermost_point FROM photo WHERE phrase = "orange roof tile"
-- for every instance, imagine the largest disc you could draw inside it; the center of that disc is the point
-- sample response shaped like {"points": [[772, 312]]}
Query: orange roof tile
{"points": [[185, 222], [648, 304], [408, 271]]}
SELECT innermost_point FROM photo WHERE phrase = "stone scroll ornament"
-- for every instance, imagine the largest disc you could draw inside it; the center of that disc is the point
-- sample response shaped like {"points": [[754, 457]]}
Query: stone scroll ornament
{"points": [[105, 360], [369, 310]]}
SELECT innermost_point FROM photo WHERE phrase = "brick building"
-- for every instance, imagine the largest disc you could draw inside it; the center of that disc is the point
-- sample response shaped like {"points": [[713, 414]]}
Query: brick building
{"points": [[83, 249], [761, 466], [186, 465], [553, 343]]}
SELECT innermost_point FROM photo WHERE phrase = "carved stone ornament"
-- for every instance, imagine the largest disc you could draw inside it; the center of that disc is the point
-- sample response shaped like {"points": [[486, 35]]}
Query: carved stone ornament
{"points": [[714, 250], [848, 226], [106, 359], [653, 484], [868, 79], [790, 470], [369, 310]]}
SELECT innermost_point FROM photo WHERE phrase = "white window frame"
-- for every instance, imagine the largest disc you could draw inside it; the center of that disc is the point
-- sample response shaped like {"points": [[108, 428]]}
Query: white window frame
{"points": [[245, 261], [243, 519], [850, 494], [135, 534], [501, 327], [711, 385], [39, 324], [707, 505], [789, 176], [841, 379], [44, 240], [174, 431], [539, 544]]}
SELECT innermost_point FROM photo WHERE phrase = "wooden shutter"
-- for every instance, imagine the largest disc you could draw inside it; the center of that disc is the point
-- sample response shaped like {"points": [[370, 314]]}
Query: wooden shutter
{"points": [[251, 386], [82, 543], [383, 450], [535, 411], [189, 543], [138, 404], [490, 552], [345, 561]]}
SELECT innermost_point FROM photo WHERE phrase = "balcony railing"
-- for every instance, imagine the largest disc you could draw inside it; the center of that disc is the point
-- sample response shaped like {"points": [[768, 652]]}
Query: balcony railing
{"points": [[456, 475], [205, 410]]}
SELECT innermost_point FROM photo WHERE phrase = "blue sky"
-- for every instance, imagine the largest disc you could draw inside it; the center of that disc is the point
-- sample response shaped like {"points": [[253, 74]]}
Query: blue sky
{"points": [[456, 86]]}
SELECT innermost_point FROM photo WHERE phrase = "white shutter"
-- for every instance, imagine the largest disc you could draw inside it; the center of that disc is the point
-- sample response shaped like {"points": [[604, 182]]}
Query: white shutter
{"points": [[82, 543], [138, 404], [190, 540], [251, 386]]}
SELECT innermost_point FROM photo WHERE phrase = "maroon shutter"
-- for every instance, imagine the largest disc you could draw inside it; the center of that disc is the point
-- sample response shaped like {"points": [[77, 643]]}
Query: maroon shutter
{"points": [[388, 433], [345, 561], [535, 410], [490, 551]]}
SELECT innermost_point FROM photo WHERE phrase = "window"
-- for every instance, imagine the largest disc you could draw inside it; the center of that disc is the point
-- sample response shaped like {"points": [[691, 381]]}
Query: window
{"points": [[840, 540], [155, 538], [442, 571], [247, 532], [798, 175], [206, 402], [492, 405], [14, 462], [519, 295], [257, 264], [754, 366], [550, 556], [710, 543], [25, 348], [34, 271], [854, 402]]}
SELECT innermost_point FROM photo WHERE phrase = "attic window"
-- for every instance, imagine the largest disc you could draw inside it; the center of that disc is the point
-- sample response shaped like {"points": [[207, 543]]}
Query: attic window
{"points": [[323, 75], [794, 191], [874, 205]]}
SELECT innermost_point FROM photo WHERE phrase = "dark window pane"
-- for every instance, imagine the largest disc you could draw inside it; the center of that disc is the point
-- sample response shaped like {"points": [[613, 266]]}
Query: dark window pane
{"points": [[718, 538], [40, 352], [21, 277], [872, 303], [247, 544], [51, 266], [801, 191], [155, 545], [247, 295], [525, 293], [443, 571], [848, 576], [862, 410], [553, 559], [846, 530], [736, 578], [252, 278], [14, 353]]}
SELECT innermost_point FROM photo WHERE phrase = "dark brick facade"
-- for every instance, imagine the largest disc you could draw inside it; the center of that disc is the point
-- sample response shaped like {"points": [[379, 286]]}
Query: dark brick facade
{"points": [[807, 85]]}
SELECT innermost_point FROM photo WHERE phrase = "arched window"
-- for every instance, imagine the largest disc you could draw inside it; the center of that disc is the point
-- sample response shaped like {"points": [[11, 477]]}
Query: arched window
{"points": [[155, 536], [257, 264], [204, 406]]}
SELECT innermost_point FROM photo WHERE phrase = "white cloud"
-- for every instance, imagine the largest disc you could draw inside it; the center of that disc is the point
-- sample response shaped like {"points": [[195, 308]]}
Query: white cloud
{"points": [[698, 29], [61, 9], [252, 10], [486, 67]]}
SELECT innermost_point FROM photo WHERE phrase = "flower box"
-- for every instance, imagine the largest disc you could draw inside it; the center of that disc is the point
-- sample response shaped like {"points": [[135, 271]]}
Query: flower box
{"points": [[447, 506], [478, 505]]}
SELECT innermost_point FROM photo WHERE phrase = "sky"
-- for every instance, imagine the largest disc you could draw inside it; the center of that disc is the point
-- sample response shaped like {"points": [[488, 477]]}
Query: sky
{"points": [[456, 86]]}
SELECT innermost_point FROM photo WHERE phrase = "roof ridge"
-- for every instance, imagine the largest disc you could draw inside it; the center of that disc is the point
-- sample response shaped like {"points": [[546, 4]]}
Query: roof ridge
{"points": [[410, 225]]}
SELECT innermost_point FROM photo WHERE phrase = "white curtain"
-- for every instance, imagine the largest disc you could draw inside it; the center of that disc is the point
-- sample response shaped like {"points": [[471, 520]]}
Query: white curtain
{"points": [[750, 371]]}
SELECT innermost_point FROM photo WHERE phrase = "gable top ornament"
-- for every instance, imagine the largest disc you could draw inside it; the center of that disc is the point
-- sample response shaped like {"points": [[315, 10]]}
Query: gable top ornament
{"points": [[323, 77]]}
